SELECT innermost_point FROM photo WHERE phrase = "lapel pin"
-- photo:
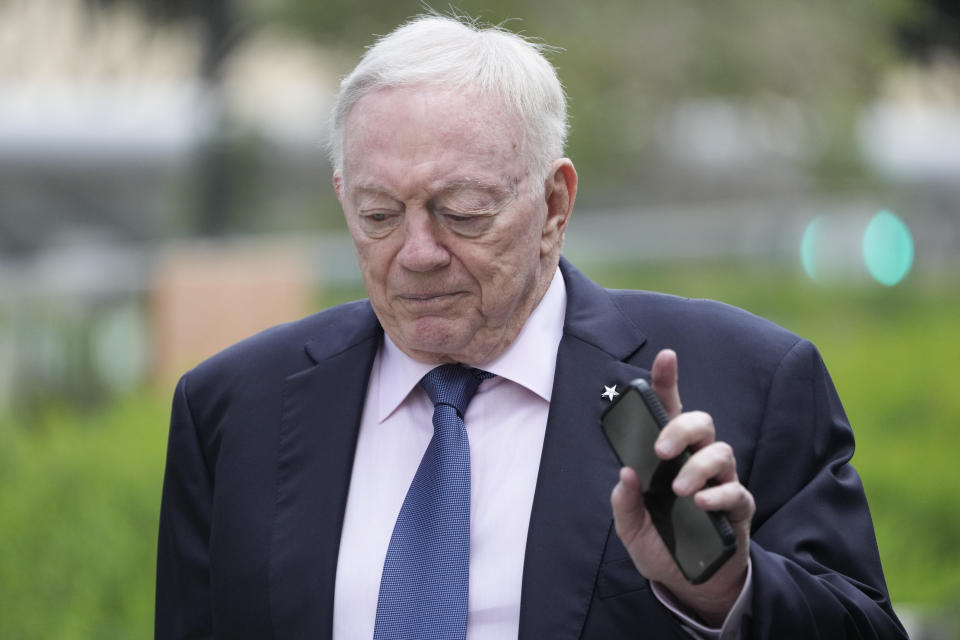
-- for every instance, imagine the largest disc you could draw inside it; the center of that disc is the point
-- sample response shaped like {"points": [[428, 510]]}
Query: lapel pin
{"points": [[609, 392]]}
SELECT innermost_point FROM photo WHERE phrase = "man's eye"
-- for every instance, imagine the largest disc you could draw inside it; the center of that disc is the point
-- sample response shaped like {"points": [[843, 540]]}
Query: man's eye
{"points": [[378, 223], [460, 222], [467, 225], [378, 217]]}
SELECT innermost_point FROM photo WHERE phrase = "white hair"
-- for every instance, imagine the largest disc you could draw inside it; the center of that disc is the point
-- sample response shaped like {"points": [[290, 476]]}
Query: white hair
{"points": [[456, 53]]}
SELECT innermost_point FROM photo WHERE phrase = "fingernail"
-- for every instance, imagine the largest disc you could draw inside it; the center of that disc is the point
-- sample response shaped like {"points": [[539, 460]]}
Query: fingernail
{"points": [[664, 446]]}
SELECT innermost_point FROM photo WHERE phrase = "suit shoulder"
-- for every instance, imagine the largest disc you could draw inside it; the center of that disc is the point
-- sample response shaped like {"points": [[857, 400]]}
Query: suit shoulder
{"points": [[701, 319], [292, 346]]}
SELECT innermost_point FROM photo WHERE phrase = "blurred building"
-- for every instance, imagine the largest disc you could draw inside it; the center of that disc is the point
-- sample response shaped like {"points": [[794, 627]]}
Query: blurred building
{"points": [[102, 117], [104, 130]]}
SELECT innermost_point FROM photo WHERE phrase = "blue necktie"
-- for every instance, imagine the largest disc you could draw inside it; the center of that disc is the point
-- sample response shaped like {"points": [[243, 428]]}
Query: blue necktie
{"points": [[425, 582]]}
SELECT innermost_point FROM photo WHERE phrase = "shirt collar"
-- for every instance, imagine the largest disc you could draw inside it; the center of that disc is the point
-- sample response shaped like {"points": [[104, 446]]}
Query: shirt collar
{"points": [[530, 361]]}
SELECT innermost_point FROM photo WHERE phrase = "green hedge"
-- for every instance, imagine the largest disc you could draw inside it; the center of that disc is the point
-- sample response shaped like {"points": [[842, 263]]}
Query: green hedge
{"points": [[79, 497]]}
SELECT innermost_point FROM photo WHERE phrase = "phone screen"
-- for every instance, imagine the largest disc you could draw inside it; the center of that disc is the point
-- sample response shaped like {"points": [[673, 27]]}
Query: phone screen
{"points": [[632, 431], [700, 541]]}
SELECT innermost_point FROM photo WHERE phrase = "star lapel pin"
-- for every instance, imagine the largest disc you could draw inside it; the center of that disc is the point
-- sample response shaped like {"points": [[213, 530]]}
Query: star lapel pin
{"points": [[609, 392]]}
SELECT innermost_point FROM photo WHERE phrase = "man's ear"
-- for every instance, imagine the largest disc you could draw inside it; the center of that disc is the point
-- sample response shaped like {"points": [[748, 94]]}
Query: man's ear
{"points": [[338, 186], [560, 191]]}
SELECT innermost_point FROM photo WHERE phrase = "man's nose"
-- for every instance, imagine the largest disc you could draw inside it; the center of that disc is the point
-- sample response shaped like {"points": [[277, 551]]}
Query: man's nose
{"points": [[422, 247]]}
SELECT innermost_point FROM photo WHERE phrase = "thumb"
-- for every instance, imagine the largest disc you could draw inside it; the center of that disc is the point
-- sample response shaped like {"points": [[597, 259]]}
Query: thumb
{"points": [[663, 377]]}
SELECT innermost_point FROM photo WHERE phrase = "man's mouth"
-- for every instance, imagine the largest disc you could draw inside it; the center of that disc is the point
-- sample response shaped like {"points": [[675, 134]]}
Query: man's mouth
{"points": [[425, 296], [430, 301]]}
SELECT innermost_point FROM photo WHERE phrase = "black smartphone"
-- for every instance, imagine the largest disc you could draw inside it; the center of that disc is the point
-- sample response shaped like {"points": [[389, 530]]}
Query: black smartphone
{"points": [[700, 541]]}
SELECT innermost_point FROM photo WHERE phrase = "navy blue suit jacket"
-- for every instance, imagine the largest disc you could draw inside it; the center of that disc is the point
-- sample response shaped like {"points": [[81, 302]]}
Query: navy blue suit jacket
{"points": [[263, 434]]}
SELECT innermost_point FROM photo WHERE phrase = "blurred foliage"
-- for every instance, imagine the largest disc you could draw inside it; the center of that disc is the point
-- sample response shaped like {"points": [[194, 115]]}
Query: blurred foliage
{"points": [[932, 29], [79, 492], [79, 496], [158, 10], [627, 63]]}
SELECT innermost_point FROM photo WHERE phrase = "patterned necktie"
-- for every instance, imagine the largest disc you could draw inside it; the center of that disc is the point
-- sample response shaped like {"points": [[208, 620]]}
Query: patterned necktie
{"points": [[425, 582]]}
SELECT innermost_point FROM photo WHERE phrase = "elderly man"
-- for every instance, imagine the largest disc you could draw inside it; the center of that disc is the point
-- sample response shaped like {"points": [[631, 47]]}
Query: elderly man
{"points": [[429, 463]]}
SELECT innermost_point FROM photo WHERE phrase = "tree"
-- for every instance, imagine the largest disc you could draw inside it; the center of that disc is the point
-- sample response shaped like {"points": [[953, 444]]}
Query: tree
{"points": [[221, 31]]}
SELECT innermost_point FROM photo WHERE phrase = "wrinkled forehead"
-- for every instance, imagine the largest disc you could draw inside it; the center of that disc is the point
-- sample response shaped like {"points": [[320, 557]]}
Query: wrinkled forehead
{"points": [[433, 120]]}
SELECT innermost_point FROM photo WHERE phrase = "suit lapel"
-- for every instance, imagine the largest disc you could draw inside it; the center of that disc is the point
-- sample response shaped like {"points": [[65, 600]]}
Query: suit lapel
{"points": [[571, 516], [320, 420]]}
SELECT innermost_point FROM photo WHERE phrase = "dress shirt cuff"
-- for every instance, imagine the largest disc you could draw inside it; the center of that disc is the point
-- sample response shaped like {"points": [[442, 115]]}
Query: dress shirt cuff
{"points": [[732, 623]]}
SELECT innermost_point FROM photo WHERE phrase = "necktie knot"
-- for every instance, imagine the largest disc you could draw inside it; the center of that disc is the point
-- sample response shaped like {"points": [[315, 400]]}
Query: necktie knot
{"points": [[453, 385]]}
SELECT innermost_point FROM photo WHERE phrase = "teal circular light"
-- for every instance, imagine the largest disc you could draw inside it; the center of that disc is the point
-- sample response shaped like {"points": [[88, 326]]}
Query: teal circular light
{"points": [[810, 247], [887, 248]]}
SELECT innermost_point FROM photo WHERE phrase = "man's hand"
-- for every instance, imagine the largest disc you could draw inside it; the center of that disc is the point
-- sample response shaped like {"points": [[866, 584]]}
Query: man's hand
{"points": [[710, 459]]}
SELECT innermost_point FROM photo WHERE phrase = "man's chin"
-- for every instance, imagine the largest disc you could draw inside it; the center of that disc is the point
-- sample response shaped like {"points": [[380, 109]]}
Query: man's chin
{"points": [[435, 340]]}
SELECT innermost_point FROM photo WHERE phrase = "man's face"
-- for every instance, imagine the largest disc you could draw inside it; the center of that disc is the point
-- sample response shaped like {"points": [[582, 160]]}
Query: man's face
{"points": [[455, 245]]}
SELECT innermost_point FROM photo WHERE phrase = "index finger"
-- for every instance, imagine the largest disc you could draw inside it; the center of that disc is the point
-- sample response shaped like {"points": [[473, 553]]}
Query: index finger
{"points": [[663, 378]]}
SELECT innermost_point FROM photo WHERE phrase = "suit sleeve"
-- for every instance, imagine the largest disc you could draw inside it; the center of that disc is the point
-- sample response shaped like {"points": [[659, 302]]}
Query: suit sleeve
{"points": [[816, 567], [183, 578]]}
